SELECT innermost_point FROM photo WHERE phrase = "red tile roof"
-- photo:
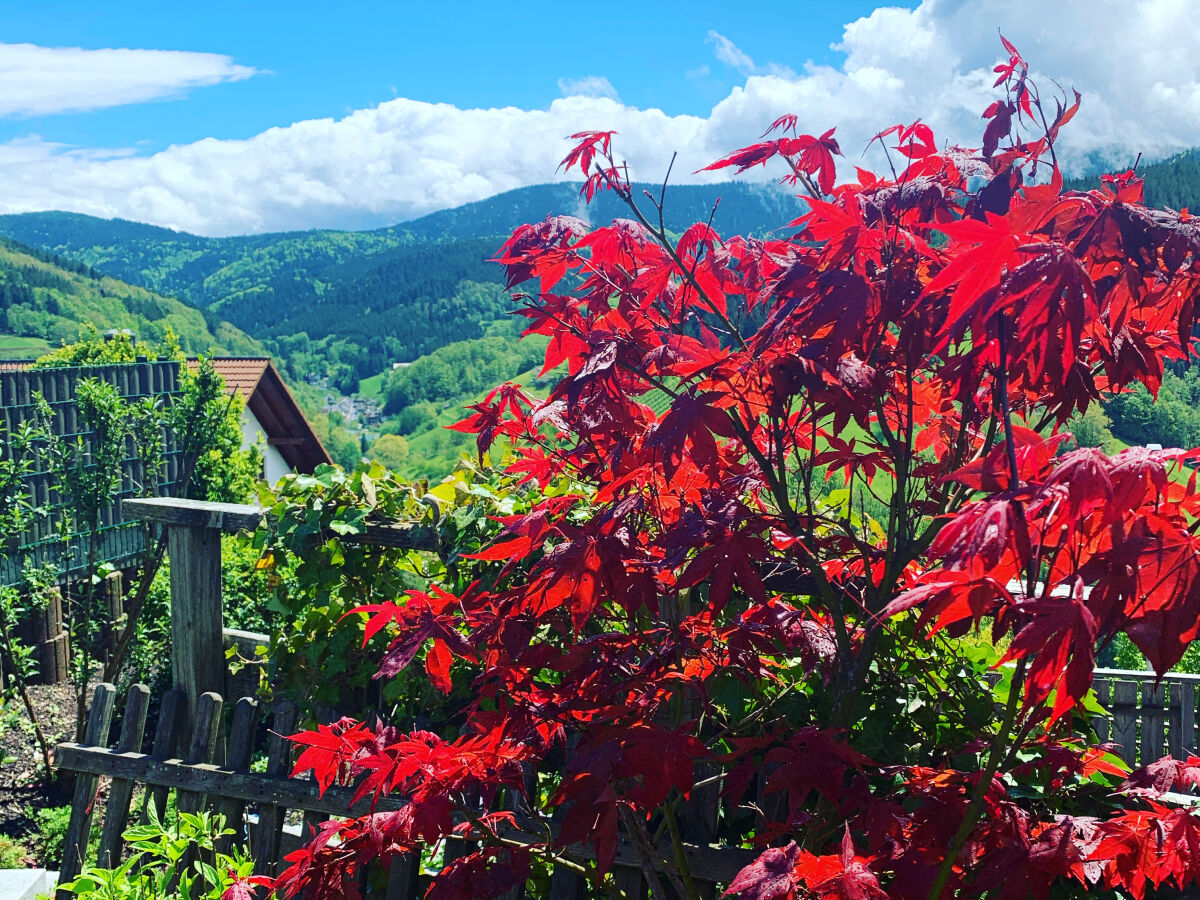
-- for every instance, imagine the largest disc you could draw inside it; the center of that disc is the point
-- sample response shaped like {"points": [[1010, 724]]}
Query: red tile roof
{"points": [[268, 398], [240, 373]]}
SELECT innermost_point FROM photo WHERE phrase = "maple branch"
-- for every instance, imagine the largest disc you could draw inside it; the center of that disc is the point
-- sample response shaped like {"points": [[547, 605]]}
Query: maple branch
{"points": [[680, 856], [1010, 444], [998, 750], [804, 179], [646, 855], [971, 815], [660, 235]]}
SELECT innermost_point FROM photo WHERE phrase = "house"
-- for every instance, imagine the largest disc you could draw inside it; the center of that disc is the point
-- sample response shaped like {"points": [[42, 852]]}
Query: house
{"points": [[270, 416]]}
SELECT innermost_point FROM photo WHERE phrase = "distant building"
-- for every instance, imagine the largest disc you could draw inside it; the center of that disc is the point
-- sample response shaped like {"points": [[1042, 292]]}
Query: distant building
{"points": [[271, 417]]}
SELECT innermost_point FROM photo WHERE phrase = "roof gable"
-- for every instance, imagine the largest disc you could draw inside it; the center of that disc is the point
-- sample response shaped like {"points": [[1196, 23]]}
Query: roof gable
{"points": [[266, 395]]}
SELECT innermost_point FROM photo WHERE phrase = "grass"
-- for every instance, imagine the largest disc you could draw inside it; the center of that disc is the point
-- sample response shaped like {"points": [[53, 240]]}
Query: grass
{"points": [[372, 388], [432, 454], [13, 346]]}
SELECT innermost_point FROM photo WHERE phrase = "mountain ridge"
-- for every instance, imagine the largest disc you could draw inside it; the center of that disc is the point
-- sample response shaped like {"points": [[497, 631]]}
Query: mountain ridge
{"points": [[347, 304]]}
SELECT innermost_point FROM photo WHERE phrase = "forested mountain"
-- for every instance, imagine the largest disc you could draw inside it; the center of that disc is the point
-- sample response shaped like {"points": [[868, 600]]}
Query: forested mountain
{"points": [[1173, 182], [347, 304], [45, 298], [744, 208], [207, 270]]}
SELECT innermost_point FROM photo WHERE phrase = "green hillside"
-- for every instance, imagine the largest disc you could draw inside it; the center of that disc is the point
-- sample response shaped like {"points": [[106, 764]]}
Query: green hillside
{"points": [[45, 299], [339, 308], [206, 270], [345, 304]]}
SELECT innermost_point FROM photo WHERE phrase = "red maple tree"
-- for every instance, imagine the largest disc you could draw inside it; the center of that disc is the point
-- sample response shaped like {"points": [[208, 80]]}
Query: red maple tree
{"points": [[858, 462]]}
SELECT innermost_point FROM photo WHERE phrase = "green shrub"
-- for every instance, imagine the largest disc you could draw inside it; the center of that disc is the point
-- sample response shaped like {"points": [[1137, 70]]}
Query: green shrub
{"points": [[51, 833], [157, 864], [13, 854]]}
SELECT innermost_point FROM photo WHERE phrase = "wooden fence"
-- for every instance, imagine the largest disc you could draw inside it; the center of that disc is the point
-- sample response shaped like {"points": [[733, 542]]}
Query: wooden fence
{"points": [[211, 769], [209, 766], [1147, 719]]}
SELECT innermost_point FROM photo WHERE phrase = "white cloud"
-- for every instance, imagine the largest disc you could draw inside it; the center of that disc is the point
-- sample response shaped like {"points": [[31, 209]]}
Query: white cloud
{"points": [[1135, 63], [36, 81], [588, 86], [731, 54]]}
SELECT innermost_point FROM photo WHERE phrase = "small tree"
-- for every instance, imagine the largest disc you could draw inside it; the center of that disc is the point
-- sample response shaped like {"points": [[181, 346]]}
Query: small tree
{"points": [[88, 471], [858, 464], [16, 514]]}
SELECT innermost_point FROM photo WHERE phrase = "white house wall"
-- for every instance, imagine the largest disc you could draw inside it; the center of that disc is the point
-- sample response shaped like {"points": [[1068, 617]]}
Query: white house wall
{"points": [[253, 433]]}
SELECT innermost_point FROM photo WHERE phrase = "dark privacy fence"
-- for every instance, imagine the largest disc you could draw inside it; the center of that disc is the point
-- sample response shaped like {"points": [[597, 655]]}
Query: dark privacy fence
{"points": [[121, 542]]}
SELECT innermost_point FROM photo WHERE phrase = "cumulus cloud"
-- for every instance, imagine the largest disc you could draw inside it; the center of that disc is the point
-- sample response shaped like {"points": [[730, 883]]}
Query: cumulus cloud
{"points": [[1134, 62], [395, 161], [38, 81], [589, 86]]}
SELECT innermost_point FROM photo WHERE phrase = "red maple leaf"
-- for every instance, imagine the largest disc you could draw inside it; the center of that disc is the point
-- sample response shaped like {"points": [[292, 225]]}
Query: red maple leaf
{"points": [[770, 877]]}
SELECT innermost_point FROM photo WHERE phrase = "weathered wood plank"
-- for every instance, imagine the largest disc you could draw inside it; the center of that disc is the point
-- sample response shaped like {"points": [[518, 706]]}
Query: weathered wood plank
{"points": [[630, 882], [1134, 675], [197, 646], [228, 517], [1187, 717], [1103, 724], [1174, 717], [166, 738], [567, 884], [1125, 709], [204, 744], [1153, 737], [233, 517], [241, 748], [402, 877], [86, 785], [698, 824], [271, 811], [120, 792]]}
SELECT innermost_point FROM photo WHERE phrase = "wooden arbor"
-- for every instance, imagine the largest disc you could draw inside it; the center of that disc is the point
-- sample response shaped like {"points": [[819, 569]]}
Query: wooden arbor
{"points": [[194, 530]]}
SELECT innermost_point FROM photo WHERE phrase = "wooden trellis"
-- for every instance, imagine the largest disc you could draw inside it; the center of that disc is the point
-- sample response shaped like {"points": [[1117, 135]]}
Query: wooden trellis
{"points": [[121, 540]]}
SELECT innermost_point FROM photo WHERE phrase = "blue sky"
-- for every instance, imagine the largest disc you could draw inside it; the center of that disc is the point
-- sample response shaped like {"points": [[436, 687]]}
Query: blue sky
{"points": [[224, 118], [321, 59]]}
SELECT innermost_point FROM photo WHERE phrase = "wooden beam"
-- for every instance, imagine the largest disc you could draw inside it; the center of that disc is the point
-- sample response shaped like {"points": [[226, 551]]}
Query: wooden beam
{"points": [[197, 644], [234, 517], [227, 517], [707, 863]]}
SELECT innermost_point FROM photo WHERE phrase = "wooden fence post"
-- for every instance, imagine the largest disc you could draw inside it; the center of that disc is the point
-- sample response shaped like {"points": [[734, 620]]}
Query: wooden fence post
{"points": [[86, 786], [197, 646]]}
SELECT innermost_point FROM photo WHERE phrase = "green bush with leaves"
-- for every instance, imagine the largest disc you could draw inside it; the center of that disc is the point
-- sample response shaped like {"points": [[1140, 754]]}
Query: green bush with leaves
{"points": [[172, 860], [319, 659]]}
